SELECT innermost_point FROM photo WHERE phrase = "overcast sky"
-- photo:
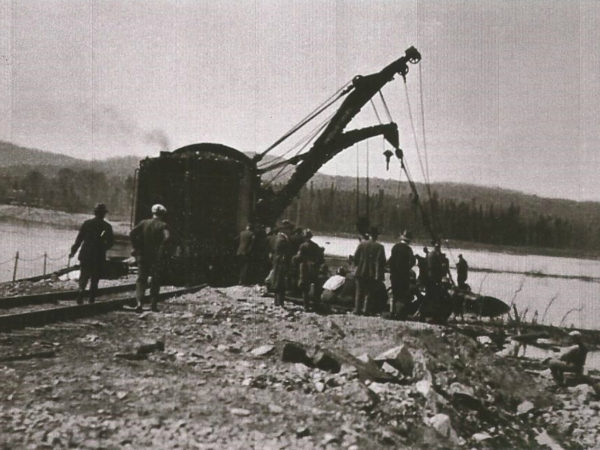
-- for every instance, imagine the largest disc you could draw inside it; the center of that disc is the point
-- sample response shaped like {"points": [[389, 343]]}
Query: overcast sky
{"points": [[511, 89]]}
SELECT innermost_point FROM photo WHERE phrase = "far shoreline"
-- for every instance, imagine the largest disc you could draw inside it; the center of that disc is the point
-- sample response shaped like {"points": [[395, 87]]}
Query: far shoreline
{"points": [[121, 226]]}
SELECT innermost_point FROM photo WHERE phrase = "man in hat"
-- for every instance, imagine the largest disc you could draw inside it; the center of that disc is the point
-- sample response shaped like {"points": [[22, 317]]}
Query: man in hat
{"points": [[571, 359], [149, 239], [435, 306], [281, 257], [462, 272], [95, 237], [310, 259], [370, 272], [400, 263]]}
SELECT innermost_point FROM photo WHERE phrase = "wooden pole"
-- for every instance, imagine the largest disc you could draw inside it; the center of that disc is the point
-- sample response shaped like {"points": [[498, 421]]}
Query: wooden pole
{"points": [[15, 267], [45, 261]]}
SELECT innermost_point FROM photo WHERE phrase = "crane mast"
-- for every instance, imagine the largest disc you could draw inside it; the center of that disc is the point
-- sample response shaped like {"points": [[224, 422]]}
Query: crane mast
{"points": [[334, 139]]}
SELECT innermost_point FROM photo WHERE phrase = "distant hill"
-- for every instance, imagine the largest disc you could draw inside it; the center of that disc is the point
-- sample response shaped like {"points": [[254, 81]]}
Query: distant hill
{"points": [[18, 161], [13, 155]]}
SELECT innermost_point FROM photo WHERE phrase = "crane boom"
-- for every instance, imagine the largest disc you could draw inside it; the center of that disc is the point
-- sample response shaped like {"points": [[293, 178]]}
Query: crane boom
{"points": [[334, 139]]}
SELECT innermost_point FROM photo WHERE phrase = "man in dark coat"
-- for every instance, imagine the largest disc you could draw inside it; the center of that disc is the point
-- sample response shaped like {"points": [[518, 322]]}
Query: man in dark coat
{"points": [[462, 272], [400, 263], [95, 237], [149, 238], [370, 272], [244, 252], [435, 305], [310, 259], [281, 257]]}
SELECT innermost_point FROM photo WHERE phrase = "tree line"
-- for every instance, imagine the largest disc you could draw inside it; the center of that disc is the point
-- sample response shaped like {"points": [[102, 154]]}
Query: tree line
{"points": [[335, 211], [332, 210], [71, 190]]}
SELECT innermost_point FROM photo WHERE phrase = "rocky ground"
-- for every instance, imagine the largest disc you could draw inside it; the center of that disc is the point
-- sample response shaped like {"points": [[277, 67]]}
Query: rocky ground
{"points": [[223, 368]]}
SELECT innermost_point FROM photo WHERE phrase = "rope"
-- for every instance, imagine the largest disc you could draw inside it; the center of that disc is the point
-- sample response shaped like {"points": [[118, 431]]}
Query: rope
{"points": [[315, 112], [30, 259], [58, 257], [301, 140], [307, 140], [376, 113], [385, 106], [423, 124], [414, 132]]}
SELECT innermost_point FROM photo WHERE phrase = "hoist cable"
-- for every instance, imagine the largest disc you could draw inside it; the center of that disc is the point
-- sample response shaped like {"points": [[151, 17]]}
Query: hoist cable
{"points": [[301, 140], [307, 140], [385, 106], [376, 113], [423, 124], [414, 132], [314, 113]]}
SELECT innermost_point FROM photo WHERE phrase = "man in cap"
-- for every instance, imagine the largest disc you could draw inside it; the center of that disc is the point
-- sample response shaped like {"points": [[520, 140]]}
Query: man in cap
{"points": [[370, 272], [281, 257], [149, 238], [95, 237], [400, 263], [571, 359], [310, 258]]}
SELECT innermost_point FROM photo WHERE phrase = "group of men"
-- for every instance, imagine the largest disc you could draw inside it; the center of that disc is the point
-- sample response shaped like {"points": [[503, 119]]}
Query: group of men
{"points": [[294, 260], [371, 262], [148, 239]]}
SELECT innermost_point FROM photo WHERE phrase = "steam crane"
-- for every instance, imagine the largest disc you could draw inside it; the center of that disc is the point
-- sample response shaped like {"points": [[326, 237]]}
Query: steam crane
{"points": [[334, 139], [212, 191]]}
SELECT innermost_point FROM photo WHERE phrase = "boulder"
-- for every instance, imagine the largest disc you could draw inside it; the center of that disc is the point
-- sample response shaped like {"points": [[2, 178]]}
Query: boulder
{"points": [[480, 437], [357, 394], [398, 357], [326, 360], [441, 423], [524, 407], [583, 392], [294, 352], [464, 395], [262, 350]]}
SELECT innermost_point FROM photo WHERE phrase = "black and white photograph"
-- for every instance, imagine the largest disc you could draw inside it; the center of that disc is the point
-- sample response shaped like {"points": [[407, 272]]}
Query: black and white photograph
{"points": [[299, 224]]}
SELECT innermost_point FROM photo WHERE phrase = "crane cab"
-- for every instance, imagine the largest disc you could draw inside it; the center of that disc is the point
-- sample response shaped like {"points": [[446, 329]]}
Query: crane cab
{"points": [[209, 191]]}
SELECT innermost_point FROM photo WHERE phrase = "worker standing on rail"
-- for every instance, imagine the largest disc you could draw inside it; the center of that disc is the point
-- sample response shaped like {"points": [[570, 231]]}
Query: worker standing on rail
{"points": [[400, 263], [370, 272], [95, 237], [149, 239]]}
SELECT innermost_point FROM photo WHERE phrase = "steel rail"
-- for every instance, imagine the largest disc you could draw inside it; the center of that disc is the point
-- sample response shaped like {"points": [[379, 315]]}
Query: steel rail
{"points": [[65, 313], [51, 297]]}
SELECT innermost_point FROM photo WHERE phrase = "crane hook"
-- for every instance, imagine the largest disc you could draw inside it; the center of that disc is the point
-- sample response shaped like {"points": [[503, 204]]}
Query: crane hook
{"points": [[388, 155]]}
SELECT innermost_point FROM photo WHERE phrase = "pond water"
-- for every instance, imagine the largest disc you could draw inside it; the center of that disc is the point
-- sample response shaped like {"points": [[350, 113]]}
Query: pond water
{"points": [[556, 299]]}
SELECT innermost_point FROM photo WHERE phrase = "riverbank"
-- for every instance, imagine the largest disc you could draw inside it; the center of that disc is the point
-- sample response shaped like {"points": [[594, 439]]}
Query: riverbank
{"points": [[236, 372], [468, 245], [58, 219], [64, 219]]}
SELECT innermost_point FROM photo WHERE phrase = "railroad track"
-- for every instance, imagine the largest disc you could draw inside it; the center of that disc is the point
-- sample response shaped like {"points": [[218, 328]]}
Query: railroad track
{"points": [[41, 317], [53, 297]]}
